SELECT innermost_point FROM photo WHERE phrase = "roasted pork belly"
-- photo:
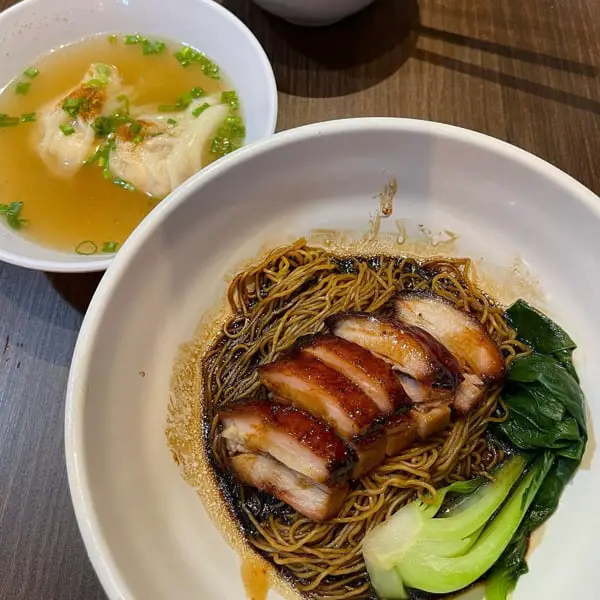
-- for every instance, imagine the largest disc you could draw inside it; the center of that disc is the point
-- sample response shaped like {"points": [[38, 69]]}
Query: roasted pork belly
{"points": [[373, 375], [401, 432], [479, 357], [291, 436], [370, 451], [307, 383], [460, 332], [315, 501], [411, 349]]}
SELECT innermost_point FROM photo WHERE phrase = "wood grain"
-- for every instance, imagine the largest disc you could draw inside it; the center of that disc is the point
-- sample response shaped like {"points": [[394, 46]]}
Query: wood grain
{"points": [[526, 72]]}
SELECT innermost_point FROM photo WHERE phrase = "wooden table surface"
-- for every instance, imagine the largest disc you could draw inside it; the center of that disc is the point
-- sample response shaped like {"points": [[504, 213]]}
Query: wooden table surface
{"points": [[526, 72]]}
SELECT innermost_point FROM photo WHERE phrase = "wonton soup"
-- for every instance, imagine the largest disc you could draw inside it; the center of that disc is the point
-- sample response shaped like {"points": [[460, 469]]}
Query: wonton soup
{"points": [[95, 134]]}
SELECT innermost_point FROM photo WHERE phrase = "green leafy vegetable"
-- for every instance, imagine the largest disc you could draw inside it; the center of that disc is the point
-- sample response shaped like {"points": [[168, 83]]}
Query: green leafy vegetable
{"points": [[12, 214], [28, 117], [441, 555], [546, 412], [86, 248], [31, 72], [542, 334]]}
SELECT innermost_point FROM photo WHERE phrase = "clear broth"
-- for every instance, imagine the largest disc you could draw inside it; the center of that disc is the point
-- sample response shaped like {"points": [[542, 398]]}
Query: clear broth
{"points": [[61, 213]]}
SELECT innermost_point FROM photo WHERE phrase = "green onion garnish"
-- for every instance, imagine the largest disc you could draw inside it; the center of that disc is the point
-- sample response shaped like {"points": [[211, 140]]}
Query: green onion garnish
{"points": [[150, 47], [86, 248], [124, 184], [103, 126], [135, 127], [67, 129], [230, 98], [230, 136], [138, 139], [131, 40], [197, 92], [22, 87], [188, 56], [103, 69], [113, 39], [28, 117], [110, 247], [72, 106], [95, 83], [7, 121], [200, 109], [172, 122], [169, 108], [31, 72], [12, 213]]}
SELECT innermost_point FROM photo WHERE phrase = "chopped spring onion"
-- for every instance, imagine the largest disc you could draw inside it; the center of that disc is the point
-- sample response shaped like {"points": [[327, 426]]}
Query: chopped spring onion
{"points": [[113, 39], [230, 98], [28, 117], [230, 136], [7, 121], [22, 87], [72, 106], [200, 109], [150, 47], [188, 56], [172, 122], [169, 108], [124, 184], [183, 101], [67, 129], [86, 248], [103, 126], [138, 139], [131, 40], [12, 214], [31, 72], [110, 247], [135, 127]]}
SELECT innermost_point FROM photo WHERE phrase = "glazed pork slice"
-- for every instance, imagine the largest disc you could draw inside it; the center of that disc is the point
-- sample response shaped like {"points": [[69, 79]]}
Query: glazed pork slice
{"points": [[370, 451], [401, 432], [373, 375], [291, 436], [307, 383], [411, 350], [477, 353], [315, 501]]}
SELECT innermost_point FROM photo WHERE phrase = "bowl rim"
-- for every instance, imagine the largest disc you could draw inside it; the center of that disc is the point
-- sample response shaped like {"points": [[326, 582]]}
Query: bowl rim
{"points": [[97, 548], [85, 264]]}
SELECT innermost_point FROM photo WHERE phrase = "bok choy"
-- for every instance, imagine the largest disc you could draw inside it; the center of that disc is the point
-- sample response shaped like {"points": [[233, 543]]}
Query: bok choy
{"points": [[444, 547]]}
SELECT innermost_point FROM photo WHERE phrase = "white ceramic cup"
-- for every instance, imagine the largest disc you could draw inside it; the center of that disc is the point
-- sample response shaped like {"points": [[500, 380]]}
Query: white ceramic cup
{"points": [[313, 12]]}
